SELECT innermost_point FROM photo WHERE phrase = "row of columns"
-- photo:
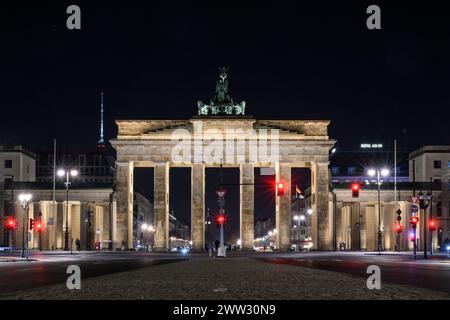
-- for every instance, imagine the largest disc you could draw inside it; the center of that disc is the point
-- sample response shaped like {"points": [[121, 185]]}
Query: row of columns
{"points": [[321, 220], [52, 235], [357, 224]]}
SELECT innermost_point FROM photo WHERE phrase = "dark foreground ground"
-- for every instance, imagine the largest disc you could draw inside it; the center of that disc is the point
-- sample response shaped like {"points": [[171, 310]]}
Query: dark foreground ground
{"points": [[244, 276]]}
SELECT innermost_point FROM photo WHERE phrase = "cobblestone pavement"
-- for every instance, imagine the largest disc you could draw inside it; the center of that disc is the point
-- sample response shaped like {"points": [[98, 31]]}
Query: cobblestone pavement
{"points": [[237, 278]]}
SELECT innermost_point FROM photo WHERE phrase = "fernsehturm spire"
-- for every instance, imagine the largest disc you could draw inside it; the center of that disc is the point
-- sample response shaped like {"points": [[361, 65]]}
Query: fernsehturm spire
{"points": [[101, 141]]}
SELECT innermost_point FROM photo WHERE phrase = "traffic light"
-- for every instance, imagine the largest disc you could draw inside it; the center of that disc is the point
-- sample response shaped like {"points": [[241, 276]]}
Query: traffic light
{"points": [[399, 215], [432, 225], [414, 221], [11, 224], [355, 190], [280, 189], [398, 228], [220, 219], [39, 226], [31, 223]]}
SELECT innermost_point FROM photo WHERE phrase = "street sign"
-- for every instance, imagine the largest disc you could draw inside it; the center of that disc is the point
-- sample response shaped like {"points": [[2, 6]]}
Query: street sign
{"points": [[414, 199], [414, 208], [221, 193]]}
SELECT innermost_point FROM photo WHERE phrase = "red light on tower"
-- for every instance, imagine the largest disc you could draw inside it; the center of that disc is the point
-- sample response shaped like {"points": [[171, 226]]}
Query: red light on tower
{"points": [[280, 189], [355, 190]]}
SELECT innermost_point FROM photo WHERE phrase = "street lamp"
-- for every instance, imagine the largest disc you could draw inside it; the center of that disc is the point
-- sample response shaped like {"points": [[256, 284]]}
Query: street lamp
{"points": [[424, 203], [68, 173], [378, 173], [24, 200]]}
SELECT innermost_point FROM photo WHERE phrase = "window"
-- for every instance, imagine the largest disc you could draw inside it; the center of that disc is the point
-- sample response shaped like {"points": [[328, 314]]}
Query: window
{"points": [[97, 160], [448, 164], [439, 209], [437, 180], [66, 158], [351, 171], [81, 160], [50, 160], [8, 182], [8, 164], [335, 171], [437, 164]]}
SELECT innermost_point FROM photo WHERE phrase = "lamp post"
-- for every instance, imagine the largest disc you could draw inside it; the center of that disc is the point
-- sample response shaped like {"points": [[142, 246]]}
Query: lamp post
{"points": [[378, 173], [424, 203], [68, 174], [24, 200]]}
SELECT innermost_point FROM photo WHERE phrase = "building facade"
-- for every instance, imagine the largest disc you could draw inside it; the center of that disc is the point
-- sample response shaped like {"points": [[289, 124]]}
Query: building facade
{"points": [[16, 164]]}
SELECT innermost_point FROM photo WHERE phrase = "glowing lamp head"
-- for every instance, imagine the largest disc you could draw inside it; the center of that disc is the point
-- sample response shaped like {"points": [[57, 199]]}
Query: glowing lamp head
{"points": [[371, 172], [61, 172], [385, 172], [73, 173]]}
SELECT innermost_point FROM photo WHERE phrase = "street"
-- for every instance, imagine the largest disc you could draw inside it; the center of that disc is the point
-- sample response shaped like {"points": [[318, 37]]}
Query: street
{"points": [[50, 268], [433, 273], [134, 275]]}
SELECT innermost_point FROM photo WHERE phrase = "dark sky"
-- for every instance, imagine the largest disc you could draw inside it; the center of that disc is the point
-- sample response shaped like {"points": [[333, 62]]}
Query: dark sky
{"points": [[155, 59], [288, 59]]}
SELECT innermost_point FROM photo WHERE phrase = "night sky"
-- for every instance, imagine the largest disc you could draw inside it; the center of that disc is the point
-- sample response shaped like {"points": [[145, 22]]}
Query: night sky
{"points": [[155, 59]]}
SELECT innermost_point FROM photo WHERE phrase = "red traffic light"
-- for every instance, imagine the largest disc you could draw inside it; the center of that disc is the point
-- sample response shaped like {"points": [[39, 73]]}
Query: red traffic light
{"points": [[221, 219], [355, 190], [10, 223], [399, 228], [31, 223], [39, 226], [280, 189], [414, 221], [432, 225]]}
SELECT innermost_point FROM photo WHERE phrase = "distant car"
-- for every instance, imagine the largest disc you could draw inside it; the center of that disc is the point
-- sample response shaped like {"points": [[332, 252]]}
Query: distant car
{"points": [[306, 245], [445, 247]]}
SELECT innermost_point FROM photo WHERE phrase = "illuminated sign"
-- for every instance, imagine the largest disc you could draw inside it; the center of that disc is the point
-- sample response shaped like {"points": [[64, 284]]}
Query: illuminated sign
{"points": [[371, 146]]}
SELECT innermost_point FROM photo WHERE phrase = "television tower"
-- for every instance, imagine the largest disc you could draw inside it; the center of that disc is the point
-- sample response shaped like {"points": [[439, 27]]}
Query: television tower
{"points": [[101, 141]]}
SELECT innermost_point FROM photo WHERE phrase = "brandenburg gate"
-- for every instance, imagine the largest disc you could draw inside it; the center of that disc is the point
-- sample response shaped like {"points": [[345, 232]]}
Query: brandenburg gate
{"points": [[218, 131]]}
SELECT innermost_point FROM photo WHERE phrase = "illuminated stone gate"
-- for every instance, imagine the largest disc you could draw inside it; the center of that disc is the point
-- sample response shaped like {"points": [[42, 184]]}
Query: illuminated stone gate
{"points": [[150, 143]]}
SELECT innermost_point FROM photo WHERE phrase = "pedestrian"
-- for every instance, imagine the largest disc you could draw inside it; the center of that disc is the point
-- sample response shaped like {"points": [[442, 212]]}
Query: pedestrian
{"points": [[217, 243], [78, 244]]}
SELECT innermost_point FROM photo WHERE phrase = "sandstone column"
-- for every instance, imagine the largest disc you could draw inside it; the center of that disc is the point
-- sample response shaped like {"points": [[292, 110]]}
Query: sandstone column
{"points": [[124, 196], [283, 208], [198, 206], [161, 206], [322, 224], [247, 190]]}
